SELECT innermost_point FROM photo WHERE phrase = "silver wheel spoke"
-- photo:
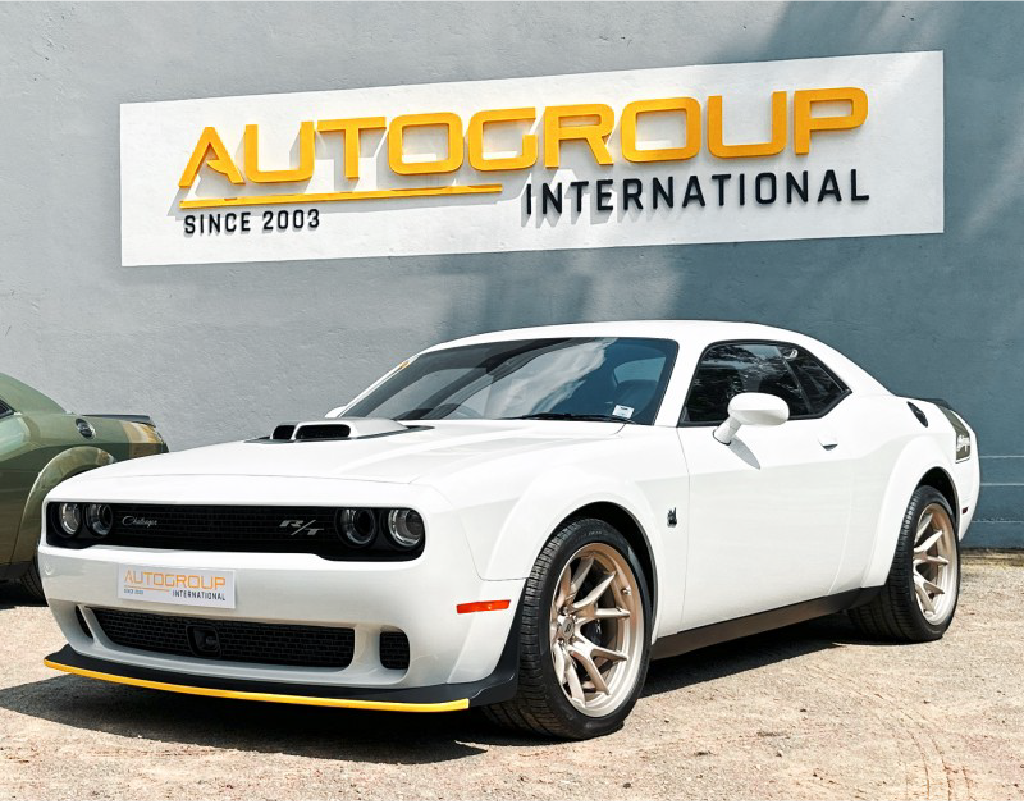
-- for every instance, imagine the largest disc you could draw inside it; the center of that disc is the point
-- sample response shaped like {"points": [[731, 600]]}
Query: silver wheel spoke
{"points": [[564, 590], [928, 559], [581, 656], [611, 656], [925, 546], [596, 593], [922, 526], [612, 613], [926, 602], [575, 688], [558, 653], [581, 575]]}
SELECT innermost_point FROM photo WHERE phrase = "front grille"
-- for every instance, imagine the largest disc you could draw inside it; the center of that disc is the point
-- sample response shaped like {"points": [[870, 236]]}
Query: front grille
{"points": [[394, 650], [253, 529], [229, 640]]}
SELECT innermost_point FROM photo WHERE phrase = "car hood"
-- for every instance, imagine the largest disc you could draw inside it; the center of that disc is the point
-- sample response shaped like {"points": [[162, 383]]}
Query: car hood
{"points": [[398, 458]]}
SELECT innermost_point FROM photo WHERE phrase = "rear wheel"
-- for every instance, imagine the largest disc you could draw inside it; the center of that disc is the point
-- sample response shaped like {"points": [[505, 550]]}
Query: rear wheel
{"points": [[920, 596], [584, 636]]}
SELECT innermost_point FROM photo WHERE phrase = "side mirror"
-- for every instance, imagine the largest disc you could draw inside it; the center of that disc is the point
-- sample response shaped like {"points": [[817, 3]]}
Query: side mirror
{"points": [[751, 409]]}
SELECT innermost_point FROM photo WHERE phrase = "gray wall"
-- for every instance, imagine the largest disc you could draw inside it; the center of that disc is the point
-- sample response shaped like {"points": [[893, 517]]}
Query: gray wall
{"points": [[216, 352]]}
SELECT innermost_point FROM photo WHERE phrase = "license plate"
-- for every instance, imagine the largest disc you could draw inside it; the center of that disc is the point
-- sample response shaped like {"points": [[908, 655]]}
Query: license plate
{"points": [[170, 585]]}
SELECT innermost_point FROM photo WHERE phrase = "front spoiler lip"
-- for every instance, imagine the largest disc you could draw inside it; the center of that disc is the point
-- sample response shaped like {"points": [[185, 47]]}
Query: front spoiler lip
{"points": [[499, 686]]}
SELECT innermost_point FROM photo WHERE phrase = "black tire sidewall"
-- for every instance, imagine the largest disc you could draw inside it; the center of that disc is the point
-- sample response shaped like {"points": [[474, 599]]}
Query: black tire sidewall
{"points": [[567, 542]]}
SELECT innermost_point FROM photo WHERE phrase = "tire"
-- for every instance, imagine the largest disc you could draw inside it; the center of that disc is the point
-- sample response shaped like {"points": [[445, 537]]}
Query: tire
{"points": [[541, 705], [32, 583], [896, 613]]}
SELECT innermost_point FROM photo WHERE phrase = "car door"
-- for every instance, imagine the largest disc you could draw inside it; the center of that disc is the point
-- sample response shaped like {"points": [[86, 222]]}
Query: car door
{"points": [[768, 515]]}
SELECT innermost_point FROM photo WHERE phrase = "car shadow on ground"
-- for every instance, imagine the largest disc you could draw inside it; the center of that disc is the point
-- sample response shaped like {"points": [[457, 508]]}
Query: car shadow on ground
{"points": [[351, 735], [750, 653], [12, 594]]}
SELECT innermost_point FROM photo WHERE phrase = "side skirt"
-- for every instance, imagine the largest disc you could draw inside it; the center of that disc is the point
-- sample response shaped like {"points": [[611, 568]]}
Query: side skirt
{"points": [[690, 640]]}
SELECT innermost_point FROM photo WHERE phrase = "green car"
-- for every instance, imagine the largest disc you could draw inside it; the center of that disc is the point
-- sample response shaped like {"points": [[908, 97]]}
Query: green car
{"points": [[41, 444]]}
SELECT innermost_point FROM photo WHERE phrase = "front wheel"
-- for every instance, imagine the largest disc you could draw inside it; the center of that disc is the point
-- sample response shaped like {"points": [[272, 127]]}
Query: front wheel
{"points": [[920, 596], [584, 638]]}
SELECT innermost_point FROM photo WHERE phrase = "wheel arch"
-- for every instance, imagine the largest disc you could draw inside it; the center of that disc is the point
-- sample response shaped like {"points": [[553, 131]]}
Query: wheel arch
{"points": [[938, 478], [921, 463], [66, 464], [524, 526]]}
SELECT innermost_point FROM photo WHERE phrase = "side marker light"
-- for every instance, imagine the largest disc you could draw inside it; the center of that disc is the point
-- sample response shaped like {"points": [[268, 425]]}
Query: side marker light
{"points": [[482, 606]]}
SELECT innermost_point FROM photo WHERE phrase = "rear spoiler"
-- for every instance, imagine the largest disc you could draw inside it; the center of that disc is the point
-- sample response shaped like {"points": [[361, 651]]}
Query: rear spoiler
{"points": [[144, 419]]}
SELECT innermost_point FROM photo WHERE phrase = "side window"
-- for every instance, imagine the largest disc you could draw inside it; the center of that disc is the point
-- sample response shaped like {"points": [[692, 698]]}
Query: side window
{"points": [[820, 385], [5, 409], [728, 369]]}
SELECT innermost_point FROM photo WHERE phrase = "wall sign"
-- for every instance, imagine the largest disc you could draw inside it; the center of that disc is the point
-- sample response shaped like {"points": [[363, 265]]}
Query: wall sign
{"points": [[825, 147]]}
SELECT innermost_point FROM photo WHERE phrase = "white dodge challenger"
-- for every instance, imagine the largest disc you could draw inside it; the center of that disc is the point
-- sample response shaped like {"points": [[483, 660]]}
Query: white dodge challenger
{"points": [[520, 521]]}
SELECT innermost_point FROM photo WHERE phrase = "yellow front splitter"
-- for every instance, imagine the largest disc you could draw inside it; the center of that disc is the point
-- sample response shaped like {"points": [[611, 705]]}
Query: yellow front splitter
{"points": [[246, 695]]}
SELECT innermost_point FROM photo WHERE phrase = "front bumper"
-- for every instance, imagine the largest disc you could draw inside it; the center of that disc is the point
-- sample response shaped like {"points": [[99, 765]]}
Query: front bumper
{"points": [[418, 597]]}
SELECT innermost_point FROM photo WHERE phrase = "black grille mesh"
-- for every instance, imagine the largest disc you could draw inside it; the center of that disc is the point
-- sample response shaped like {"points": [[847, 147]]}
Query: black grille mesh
{"points": [[253, 529], [394, 650], [240, 641]]}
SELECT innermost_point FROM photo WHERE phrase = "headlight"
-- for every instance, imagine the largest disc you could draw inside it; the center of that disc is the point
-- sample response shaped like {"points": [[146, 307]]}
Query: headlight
{"points": [[99, 518], [405, 527], [70, 515], [357, 526]]}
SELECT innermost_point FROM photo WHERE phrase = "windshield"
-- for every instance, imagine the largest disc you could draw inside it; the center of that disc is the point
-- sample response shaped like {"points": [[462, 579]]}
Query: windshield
{"points": [[615, 379]]}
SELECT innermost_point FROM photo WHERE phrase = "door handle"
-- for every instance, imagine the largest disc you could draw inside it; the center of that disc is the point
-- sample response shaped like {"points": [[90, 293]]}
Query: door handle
{"points": [[828, 440]]}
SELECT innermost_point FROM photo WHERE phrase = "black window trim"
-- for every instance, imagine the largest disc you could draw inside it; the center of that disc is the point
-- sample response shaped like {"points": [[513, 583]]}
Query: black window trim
{"points": [[5, 409], [680, 423]]}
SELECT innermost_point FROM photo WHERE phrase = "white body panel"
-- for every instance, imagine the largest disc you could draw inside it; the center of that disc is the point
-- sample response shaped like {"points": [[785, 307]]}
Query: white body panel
{"points": [[799, 510]]}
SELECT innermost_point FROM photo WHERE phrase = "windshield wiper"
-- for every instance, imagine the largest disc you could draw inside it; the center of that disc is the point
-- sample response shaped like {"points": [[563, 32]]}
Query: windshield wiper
{"points": [[600, 418]]}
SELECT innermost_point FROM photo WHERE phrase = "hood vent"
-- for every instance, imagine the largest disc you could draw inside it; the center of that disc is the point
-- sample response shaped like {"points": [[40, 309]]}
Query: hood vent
{"points": [[341, 428]]}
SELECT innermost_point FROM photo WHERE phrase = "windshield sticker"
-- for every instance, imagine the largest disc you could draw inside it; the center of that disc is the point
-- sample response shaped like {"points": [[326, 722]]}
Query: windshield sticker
{"points": [[622, 411]]}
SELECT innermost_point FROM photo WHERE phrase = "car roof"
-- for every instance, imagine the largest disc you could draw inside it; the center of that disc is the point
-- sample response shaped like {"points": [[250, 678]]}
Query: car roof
{"points": [[692, 333], [684, 330]]}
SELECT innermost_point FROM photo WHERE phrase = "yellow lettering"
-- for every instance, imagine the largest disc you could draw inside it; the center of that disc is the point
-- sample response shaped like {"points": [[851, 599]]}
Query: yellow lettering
{"points": [[475, 140], [209, 140], [251, 146], [779, 134], [687, 105], [594, 135], [350, 130], [804, 124], [396, 152]]}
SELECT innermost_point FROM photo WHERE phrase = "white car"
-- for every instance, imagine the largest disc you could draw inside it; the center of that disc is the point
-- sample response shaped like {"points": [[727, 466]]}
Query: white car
{"points": [[520, 521]]}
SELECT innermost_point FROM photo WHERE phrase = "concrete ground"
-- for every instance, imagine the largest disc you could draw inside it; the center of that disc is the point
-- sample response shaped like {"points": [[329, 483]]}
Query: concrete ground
{"points": [[812, 711]]}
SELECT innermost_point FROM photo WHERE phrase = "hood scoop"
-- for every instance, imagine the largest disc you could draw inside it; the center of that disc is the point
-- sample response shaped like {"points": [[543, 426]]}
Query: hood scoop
{"points": [[339, 428]]}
